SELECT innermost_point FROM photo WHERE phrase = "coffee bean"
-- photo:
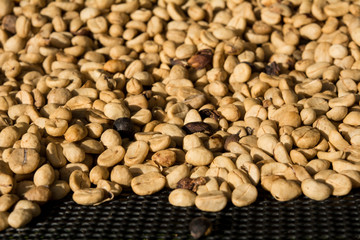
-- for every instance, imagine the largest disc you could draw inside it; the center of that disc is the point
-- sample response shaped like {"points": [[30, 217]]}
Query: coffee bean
{"points": [[209, 113], [194, 127], [125, 127]]}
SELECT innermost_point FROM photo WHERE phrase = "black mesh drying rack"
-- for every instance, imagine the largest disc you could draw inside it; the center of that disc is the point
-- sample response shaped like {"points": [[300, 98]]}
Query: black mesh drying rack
{"points": [[152, 217]]}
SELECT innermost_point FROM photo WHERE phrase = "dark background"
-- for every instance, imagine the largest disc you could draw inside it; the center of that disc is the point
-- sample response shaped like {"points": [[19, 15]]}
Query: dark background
{"points": [[152, 217]]}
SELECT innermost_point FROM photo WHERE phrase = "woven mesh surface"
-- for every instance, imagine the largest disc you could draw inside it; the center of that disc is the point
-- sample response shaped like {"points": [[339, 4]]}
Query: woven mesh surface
{"points": [[152, 217]]}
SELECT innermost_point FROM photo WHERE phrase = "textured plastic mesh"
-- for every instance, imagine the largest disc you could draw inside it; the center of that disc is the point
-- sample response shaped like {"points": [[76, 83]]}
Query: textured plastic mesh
{"points": [[152, 217]]}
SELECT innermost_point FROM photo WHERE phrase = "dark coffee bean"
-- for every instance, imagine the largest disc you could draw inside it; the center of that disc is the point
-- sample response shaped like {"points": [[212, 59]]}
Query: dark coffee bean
{"points": [[194, 127], [191, 184], [200, 226], [185, 183], [272, 69], [125, 127], [197, 182], [201, 59], [209, 113]]}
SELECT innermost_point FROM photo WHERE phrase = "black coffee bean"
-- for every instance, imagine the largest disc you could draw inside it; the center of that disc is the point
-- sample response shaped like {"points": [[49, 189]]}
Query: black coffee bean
{"points": [[194, 127], [125, 127], [210, 113]]}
